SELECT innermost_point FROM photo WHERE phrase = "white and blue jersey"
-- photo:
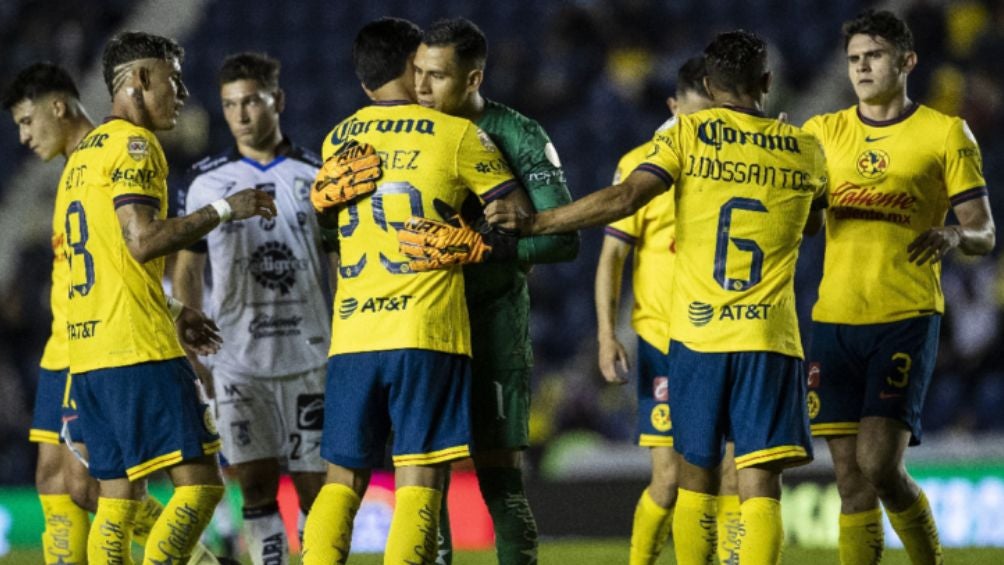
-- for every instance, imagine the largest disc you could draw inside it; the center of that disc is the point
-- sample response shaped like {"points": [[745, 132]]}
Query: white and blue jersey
{"points": [[268, 276]]}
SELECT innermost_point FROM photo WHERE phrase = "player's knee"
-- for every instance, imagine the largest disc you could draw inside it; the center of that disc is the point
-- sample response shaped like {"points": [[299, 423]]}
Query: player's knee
{"points": [[83, 490], [882, 475], [49, 476]]}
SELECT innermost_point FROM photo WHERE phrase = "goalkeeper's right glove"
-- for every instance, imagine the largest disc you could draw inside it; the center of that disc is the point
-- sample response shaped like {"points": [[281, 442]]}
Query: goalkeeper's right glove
{"points": [[348, 174]]}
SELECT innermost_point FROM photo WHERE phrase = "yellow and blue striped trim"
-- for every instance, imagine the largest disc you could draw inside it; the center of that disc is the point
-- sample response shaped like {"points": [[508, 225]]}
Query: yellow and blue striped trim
{"points": [[778, 453], [652, 440], [433, 457], [43, 436], [835, 429]]}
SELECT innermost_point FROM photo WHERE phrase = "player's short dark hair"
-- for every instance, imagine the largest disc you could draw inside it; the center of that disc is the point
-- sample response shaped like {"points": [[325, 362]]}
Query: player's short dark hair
{"points": [[880, 23], [381, 50], [134, 45], [37, 80], [690, 77], [468, 41], [258, 67], [736, 61]]}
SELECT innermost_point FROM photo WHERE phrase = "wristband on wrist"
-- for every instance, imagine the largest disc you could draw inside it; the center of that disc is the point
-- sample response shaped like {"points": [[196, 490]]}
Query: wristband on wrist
{"points": [[175, 306], [223, 209]]}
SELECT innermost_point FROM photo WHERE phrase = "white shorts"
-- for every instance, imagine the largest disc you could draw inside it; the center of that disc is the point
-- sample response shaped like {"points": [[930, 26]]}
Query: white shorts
{"points": [[268, 418]]}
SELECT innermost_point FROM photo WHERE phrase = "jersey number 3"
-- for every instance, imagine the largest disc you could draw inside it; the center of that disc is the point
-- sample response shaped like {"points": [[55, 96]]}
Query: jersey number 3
{"points": [[77, 240], [748, 245]]}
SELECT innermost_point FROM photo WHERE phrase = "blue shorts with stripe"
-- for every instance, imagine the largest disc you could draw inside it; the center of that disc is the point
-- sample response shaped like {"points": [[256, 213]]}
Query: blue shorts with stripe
{"points": [[143, 417], [47, 418], [422, 396], [755, 398], [655, 429], [879, 370]]}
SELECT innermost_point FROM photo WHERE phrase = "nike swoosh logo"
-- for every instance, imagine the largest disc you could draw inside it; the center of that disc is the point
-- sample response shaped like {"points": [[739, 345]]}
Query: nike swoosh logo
{"points": [[869, 139]]}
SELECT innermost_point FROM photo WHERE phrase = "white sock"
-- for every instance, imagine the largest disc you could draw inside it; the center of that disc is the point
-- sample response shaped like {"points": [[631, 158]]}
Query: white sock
{"points": [[266, 536]]}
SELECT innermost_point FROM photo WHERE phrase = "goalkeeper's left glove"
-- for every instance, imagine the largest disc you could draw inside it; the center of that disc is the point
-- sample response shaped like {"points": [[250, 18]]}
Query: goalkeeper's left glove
{"points": [[348, 174], [430, 244]]}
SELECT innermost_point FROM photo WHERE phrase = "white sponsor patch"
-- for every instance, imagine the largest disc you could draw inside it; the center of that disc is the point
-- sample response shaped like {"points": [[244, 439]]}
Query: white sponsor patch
{"points": [[552, 154], [138, 147], [486, 141]]}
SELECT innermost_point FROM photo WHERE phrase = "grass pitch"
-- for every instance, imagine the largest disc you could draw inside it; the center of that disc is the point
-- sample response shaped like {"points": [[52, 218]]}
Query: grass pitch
{"points": [[615, 552]]}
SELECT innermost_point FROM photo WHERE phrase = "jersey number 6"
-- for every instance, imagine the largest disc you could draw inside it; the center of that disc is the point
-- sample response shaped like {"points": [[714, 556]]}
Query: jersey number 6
{"points": [[722, 245]]}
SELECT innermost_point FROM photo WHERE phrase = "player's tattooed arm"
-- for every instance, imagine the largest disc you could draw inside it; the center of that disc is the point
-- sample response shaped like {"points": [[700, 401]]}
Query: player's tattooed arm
{"points": [[973, 235], [148, 237], [596, 209]]}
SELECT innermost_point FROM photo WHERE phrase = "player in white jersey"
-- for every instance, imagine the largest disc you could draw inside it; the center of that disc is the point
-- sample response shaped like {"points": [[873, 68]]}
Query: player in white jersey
{"points": [[269, 299]]}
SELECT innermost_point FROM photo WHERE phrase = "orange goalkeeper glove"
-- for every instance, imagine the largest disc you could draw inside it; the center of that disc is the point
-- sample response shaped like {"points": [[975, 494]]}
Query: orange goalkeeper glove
{"points": [[348, 174], [431, 244]]}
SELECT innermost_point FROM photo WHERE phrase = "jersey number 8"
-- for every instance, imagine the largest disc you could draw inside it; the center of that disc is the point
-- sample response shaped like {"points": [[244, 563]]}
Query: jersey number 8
{"points": [[79, 247]]}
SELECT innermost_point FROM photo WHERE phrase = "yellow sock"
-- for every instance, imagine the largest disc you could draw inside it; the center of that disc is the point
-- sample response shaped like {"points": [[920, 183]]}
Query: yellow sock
{"points": [[652, 524], [761, 532], [694, 527], [327, 533], [861, 538], [149, 510], [175, 533], [728, 529], [110, 539], [917, 531], [412, 537], [66, 524]]}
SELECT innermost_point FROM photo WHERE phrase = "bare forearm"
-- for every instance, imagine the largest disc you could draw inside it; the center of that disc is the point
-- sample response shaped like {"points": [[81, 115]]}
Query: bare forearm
{"points": [[976, 240], [188, 287], [596, 209], [158, 238], [608, 291]]}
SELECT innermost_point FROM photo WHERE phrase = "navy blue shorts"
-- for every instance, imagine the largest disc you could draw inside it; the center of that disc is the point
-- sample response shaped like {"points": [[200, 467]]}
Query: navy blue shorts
{"points": [[655, 429], [422, 396], [755, 398], [143, 417], [47, 419], [870, 370]]}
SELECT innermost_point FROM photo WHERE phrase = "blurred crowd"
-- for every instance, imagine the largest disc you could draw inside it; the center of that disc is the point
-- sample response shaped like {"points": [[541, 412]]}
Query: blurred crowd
{"points": [[596, 75]]}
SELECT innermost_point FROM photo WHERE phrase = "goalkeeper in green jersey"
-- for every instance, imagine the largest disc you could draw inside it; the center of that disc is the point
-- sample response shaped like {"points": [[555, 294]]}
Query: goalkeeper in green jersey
{"points": [[449, 69]]}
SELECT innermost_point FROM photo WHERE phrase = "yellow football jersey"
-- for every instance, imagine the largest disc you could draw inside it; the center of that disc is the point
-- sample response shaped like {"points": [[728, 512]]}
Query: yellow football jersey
{"points": [[118, 313], [651, 231], [744, 184], [431, 162], [56, 356], [889, 182]]}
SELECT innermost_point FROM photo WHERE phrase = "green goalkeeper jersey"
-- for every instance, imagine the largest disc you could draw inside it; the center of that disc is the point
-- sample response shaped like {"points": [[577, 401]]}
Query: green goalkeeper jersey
{"points": [[497, 296]]}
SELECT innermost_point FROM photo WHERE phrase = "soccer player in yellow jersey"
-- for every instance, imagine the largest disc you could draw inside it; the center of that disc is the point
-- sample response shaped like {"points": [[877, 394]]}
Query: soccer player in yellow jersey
{"points": [[137, 395], [744, 186], [895, 169], [45, 105], [400, 340], [651, 233]]}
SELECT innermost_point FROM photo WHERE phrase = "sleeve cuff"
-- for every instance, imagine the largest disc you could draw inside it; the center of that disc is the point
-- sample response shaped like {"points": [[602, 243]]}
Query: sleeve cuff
{"points": [[658, 171], [127, 199], [971, 194], [618, 234], [500, 190]]}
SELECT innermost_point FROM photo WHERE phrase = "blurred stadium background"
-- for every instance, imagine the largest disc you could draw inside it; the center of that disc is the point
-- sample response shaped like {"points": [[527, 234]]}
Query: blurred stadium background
{"points": [[595, 74]]}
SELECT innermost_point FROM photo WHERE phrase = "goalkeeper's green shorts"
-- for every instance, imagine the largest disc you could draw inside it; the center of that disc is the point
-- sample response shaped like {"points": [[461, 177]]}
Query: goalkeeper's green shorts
{"points": [[500, 408]]}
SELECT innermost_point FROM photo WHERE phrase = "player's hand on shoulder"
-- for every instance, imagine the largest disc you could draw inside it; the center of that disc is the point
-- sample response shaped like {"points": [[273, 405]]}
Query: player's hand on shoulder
{"points": [[509, 216], [932, 245], [251, 202], [614, 363], [350, 173], [198, 334]]}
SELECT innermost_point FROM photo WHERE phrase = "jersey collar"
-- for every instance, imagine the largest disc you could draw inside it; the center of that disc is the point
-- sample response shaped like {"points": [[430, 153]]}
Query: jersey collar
{"points": [[282, 151], [745, 110], [392, 102], [883, 123]]}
